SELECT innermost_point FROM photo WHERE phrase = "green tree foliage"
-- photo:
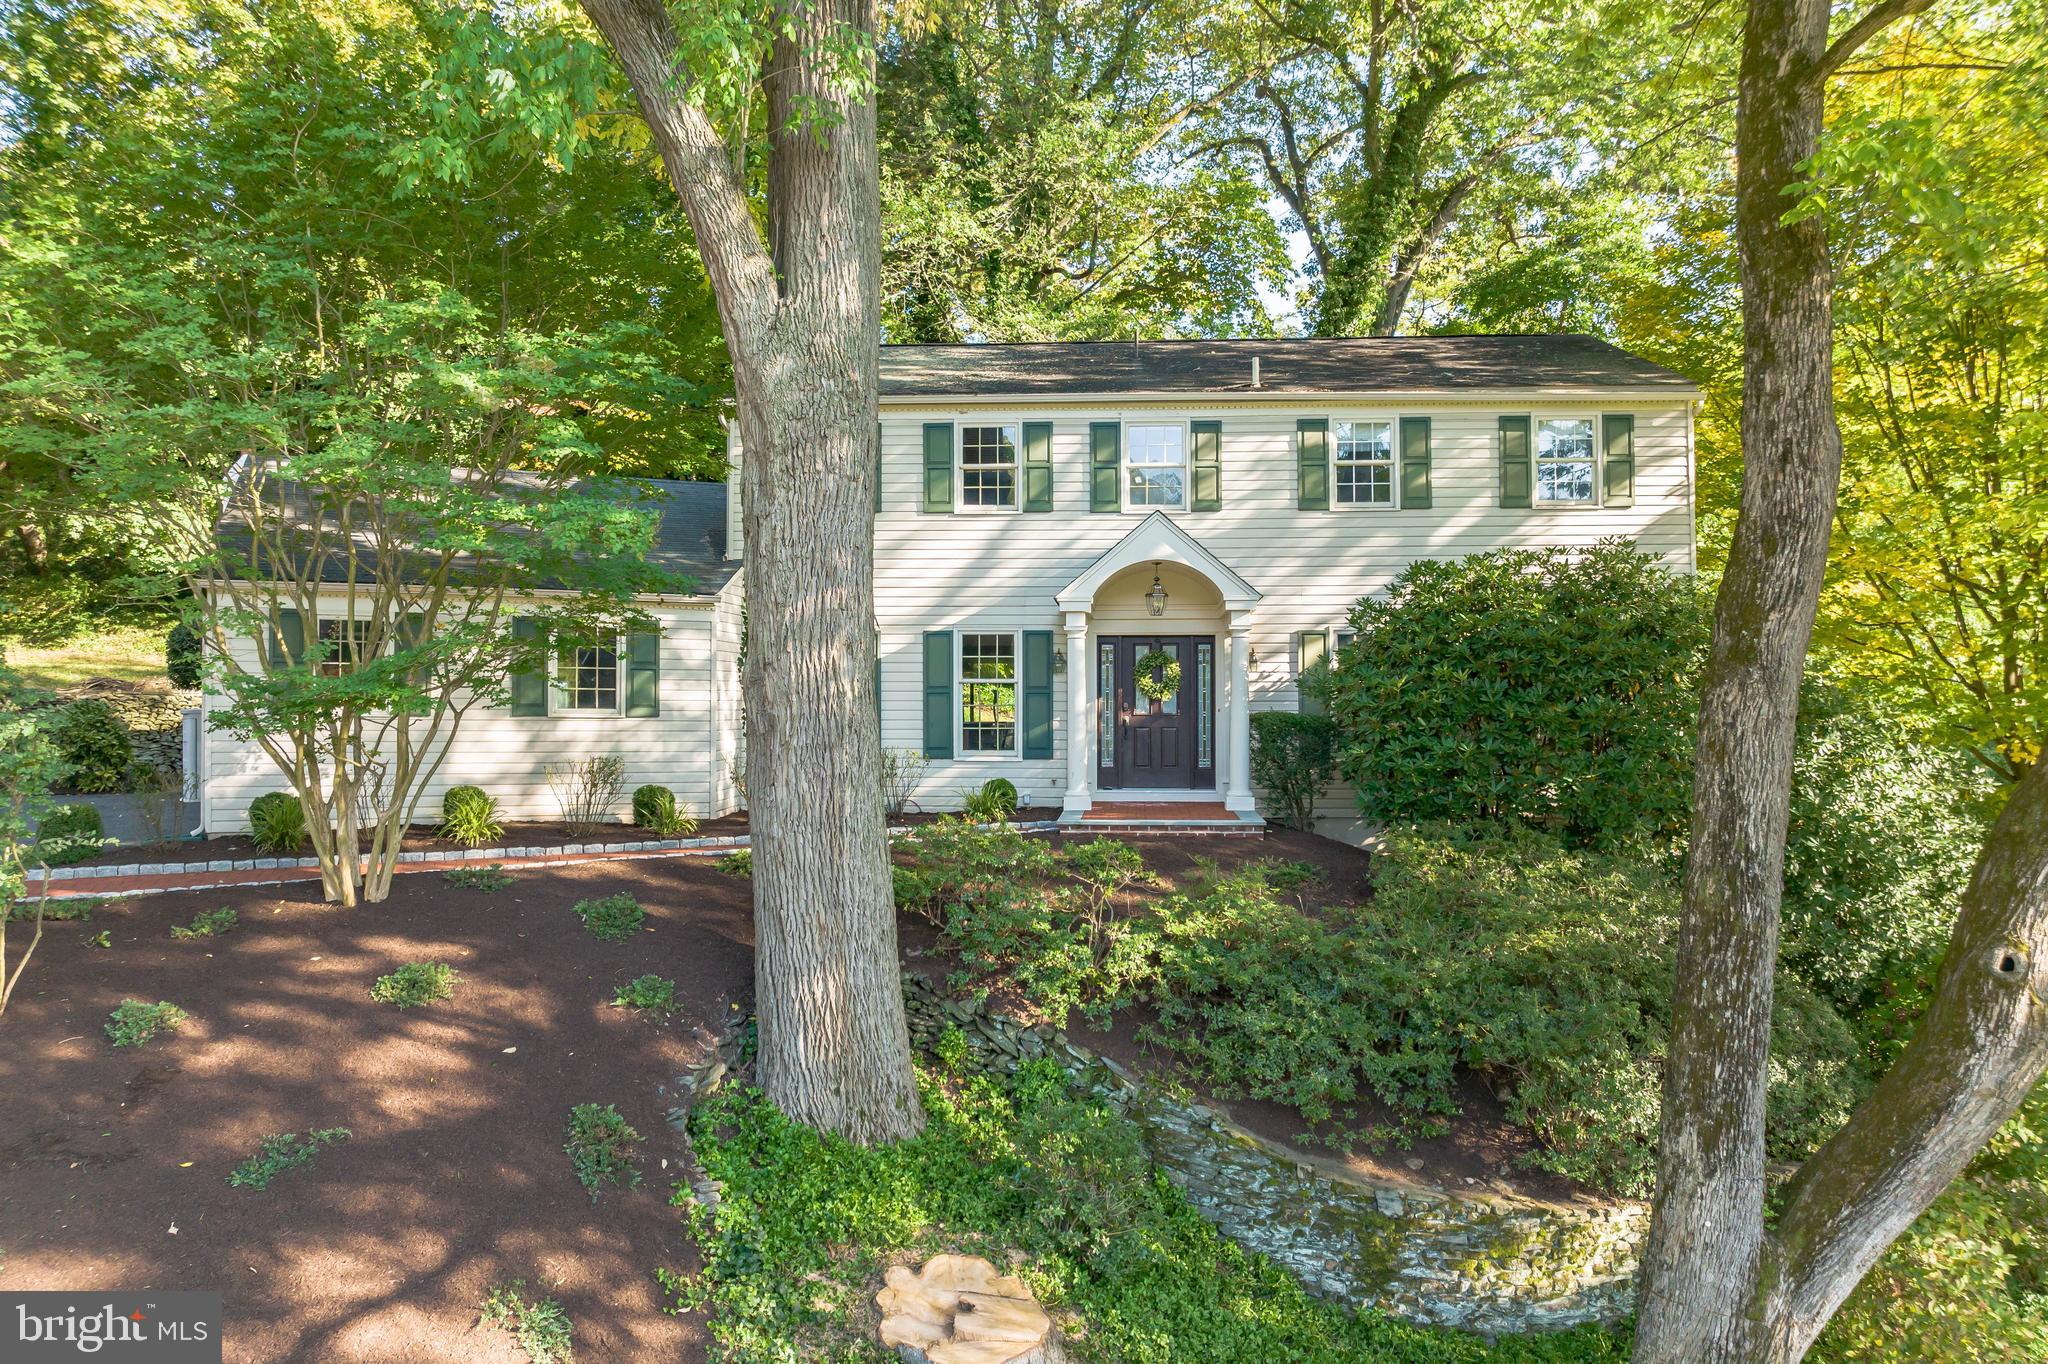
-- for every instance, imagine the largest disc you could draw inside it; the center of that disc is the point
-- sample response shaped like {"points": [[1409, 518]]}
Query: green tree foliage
{"points": [[213, 240], [1294, 756], [1034, 180], [1524, 684], [1939, 574], [29, 766]]}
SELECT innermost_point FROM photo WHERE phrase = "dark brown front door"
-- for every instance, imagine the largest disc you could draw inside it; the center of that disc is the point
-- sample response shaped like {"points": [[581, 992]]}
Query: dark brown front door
{"points": [[1155, 744]]}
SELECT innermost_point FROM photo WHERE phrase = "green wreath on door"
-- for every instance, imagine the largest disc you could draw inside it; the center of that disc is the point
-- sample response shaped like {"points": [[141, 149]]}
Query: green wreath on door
{"points": [[1166, 685]]}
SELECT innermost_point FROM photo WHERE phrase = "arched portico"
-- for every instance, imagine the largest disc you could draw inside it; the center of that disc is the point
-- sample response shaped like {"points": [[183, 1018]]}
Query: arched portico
{"points": [[1205, 599]]}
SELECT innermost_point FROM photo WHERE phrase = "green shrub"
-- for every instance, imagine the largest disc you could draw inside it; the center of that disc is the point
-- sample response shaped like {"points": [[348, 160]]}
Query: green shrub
{"points": [[68, 834], [490, 880], [415, 983], [132, 1022], [655, 808], [807, 1222], [1883, 837], [539, 1326], [603, 1147], [208, 923], [277, 822], [740, 863], [1294, 756], [1554, 686], [283, 1151], [647, 992], [182, 656], [1545, 969], [469, 816], [614, 918], [94, 746]]}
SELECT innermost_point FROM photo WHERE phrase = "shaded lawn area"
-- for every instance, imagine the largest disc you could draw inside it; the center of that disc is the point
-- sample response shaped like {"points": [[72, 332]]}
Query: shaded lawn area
{"points": [[125, 654], [114, 1162]]}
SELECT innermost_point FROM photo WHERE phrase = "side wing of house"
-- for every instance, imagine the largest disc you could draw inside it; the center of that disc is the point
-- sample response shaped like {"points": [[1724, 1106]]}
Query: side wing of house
{"points": [[598, 705]]}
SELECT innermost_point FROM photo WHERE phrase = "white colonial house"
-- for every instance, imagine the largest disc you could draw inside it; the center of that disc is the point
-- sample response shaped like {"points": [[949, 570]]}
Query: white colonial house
{"points": [[1048, 517]]}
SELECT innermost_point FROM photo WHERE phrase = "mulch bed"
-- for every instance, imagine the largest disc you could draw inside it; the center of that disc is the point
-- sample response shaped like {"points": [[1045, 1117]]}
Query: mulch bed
{"points": [[422, 838], [114, 1161]]}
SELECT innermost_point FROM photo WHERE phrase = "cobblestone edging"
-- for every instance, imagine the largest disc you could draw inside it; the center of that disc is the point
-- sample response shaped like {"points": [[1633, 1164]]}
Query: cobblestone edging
{"points": [[1492, 1264], [545, 856]]}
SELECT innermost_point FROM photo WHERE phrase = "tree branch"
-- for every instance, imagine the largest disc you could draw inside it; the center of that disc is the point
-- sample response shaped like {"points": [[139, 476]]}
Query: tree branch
{"points": [[1861, 32]]}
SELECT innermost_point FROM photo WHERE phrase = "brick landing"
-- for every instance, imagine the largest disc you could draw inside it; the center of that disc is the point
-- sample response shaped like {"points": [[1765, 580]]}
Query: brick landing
{"points": [[1120, 812]]}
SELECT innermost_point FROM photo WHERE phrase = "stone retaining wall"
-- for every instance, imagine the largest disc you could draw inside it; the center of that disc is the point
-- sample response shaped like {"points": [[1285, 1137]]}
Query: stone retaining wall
{"points": [[1491, 1264]]}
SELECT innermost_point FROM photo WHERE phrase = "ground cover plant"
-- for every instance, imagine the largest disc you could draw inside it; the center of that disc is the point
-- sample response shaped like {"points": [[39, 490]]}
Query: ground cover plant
{"points": [[614, 918], [208, 923], [739, 863], [281, 1152], [67, 834], [539, 1325], [650, 992], [806, 1222], [603, 1148], [490, 880], [416, 983], [133, 1022]]}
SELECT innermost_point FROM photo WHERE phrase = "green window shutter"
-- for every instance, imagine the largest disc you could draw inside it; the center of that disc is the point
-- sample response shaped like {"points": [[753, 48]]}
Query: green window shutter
{"points": [[288, 640], [1415, 462], [643, 674], [1312, 463], [938, 467], [1205, 451], [1038, 466], [938, 693], [1312, 651], [1037, 701], [1514, 462], [529, 684], [1105, 454], [412, 632], [1618, 477]]}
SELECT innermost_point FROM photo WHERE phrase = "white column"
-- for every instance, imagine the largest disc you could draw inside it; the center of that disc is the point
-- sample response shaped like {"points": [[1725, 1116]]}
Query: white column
{"points": [[1080, 726], [1238, 797]]}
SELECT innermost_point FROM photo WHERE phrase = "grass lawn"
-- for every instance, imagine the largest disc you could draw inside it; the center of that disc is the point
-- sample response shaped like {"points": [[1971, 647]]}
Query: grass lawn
{"points": [[125, 655]]}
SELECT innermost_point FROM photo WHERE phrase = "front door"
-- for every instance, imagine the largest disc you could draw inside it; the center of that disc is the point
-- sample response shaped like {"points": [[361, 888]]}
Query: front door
{"points": [[1153, 732]]}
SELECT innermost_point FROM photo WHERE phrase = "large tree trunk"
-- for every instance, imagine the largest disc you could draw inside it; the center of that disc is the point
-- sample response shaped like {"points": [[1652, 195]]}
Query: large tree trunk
{"points": [[1717, 1285], [802, 320]]}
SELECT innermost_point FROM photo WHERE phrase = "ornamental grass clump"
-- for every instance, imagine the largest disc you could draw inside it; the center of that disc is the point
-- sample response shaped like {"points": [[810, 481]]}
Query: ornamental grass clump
{"points": [[469, 816]]}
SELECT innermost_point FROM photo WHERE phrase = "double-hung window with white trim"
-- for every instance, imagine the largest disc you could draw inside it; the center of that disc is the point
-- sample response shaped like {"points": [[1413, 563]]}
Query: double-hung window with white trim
{"points": [[988, 694], [1362, 456], [587, 677], [346, 644], [1156, 466], [988, 466], [1567, 464]]}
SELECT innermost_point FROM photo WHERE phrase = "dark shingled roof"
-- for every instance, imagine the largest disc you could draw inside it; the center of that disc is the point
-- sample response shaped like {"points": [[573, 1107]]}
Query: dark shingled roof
{"points": [[689, 539], [1287, 365]]}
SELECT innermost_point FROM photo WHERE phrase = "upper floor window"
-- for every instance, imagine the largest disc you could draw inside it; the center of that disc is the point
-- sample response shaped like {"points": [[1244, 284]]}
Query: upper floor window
{"points": [[988, 693], [1363, 453], [1564, 461], [988, 467], [1155, 466], [346, 642], [587, 675]]}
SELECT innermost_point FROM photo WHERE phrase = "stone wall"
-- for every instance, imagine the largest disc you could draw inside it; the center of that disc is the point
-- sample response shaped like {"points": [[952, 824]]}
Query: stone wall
{"points": [[155, 720], [1491, 1264]]}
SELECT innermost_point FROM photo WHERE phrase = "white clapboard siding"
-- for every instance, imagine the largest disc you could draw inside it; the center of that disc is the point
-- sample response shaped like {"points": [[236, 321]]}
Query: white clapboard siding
{"points": [[990, 572], [508, 755]]}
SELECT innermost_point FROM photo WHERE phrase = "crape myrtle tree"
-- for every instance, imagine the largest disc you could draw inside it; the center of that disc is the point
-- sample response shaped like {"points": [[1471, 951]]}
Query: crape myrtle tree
{"points": [[228, 257], [1721, 1282], [777, 98], [29, 765]]}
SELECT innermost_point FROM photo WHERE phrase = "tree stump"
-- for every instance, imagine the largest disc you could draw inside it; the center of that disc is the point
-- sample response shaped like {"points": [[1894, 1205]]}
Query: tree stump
{"points": [[958, 1310]]}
